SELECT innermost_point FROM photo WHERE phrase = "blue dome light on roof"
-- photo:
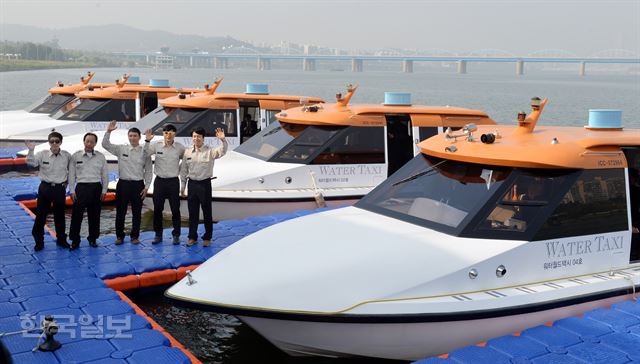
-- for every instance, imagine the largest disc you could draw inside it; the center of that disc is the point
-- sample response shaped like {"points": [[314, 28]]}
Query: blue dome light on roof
{"points": [[133, 80], [605, 119], [397, 98], [158, 83], [257, 89]]}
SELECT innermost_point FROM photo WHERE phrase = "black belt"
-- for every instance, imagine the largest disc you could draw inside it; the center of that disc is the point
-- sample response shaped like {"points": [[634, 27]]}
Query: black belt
{"points": [[200, 180], [166, 177], [54, 184], [130, 180]]}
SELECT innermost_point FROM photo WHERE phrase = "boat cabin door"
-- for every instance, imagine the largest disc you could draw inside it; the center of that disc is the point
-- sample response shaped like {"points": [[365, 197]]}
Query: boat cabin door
{"points": [[421, 133], [249, 119], [399, 141], [148, 103], [632, 154]]}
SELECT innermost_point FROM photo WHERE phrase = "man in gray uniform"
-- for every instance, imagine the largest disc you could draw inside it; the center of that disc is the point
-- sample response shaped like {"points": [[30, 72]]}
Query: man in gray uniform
{"points": [[88, 181], [54, 172], [197, 167], [134, 169], [166, 185]]}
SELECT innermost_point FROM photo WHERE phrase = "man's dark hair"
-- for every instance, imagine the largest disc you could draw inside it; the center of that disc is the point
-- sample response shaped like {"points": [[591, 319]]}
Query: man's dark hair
{"points": [[55, 134], [199, 131], [86, 135], [134, 130], [169, 127]]}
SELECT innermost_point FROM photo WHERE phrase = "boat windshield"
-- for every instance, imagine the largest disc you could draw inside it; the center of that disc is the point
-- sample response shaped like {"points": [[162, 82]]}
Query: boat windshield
{"points": [[495, 202], [270, 140], [435, 191], [50, 103], [101, 110]]}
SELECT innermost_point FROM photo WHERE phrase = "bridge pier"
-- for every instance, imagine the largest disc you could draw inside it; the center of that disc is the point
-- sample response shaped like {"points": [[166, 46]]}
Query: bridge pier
{"points": [[462, 67], [356, 65], [190, 61], [407, 66], [220, 63], [147, 58], [308, 64], [583, 68], [519, 68], [264, 64]]}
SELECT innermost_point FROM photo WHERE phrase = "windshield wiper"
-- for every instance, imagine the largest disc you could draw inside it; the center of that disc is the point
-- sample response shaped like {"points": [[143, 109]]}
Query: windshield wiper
{"points": [[419, 174]]}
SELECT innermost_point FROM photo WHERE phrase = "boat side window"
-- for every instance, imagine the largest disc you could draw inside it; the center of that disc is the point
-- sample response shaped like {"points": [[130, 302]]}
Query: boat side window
{"points": [[595, 203], [51, 103], [210, 121], [119, 110], [307, 145], [355, 145], [102, 110], [270, 140], [177, 117], [522, 205]]}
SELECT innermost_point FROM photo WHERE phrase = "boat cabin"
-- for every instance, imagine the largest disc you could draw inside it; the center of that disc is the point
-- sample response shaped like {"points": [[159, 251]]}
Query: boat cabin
{"points": [[61, 96], [511, 183], [127, 101], [338, 134], [240, 115]]}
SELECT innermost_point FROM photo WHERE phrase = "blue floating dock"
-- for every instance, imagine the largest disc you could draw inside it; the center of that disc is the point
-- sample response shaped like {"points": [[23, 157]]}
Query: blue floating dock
{"points": [[599, 336], [71, 286], [26, 188]]}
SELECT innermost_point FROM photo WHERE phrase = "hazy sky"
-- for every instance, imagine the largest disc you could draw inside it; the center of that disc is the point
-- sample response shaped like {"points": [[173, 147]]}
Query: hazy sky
{"points": [[583, 27]]}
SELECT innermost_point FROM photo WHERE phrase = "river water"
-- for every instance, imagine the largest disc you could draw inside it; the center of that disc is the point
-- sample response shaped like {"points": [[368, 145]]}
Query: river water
{"points": [[495, 89]]}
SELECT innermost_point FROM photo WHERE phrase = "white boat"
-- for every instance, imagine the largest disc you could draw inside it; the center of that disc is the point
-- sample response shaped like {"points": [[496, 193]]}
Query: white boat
{"points": [[488, 231], [206, 109], [39, 114], [332, 152], [95, 107]]}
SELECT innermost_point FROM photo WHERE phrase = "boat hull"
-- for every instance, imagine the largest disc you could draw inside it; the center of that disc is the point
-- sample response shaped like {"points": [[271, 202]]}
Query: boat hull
{"points": [[402, 341], [237, 209]]}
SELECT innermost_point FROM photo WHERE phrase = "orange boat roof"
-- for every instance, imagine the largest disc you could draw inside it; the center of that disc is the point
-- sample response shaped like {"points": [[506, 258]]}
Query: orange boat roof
{"points": [[129, 91], [207, 100], [542, 147], [71, 89], [374, 115]]}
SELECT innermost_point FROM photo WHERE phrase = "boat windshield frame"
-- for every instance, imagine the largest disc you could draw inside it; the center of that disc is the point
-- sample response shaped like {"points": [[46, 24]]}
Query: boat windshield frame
{"points": [[186, 119], [492, 202], [50, 103]]}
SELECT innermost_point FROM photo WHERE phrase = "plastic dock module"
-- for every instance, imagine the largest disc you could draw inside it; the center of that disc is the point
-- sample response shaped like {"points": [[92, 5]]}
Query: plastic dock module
{"points": [[600, 336], [9, 158], [25, 190], [81, 288]]}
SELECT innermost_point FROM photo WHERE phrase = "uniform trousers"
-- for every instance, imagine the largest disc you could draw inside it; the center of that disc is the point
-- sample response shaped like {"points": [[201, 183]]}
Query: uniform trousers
{"points": [[50, 194], [166, 189], [87, 198], [200, 198], [128, 192]]}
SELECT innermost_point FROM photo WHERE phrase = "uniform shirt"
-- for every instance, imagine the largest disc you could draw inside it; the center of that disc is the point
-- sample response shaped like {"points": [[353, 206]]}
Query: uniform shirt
{"points": [[88, 168], [197, 164], [133, 163], [167, 162], [54, 168]]}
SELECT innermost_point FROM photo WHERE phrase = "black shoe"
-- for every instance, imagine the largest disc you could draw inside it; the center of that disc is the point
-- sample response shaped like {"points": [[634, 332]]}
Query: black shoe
{"points": [[38, 247], [93, 244], [74, 245], [63, 244], [157, 239]]}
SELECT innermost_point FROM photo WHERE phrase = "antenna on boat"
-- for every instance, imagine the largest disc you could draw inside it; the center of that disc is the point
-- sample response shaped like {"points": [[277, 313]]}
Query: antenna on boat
{"points": [[211, 90], [344, 101], [125, 77], [528, 123], [86, 80]]}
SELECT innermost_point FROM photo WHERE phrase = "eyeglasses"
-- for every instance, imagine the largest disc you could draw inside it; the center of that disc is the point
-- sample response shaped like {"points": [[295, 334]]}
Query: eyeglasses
{"points": [[55, 141]]}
